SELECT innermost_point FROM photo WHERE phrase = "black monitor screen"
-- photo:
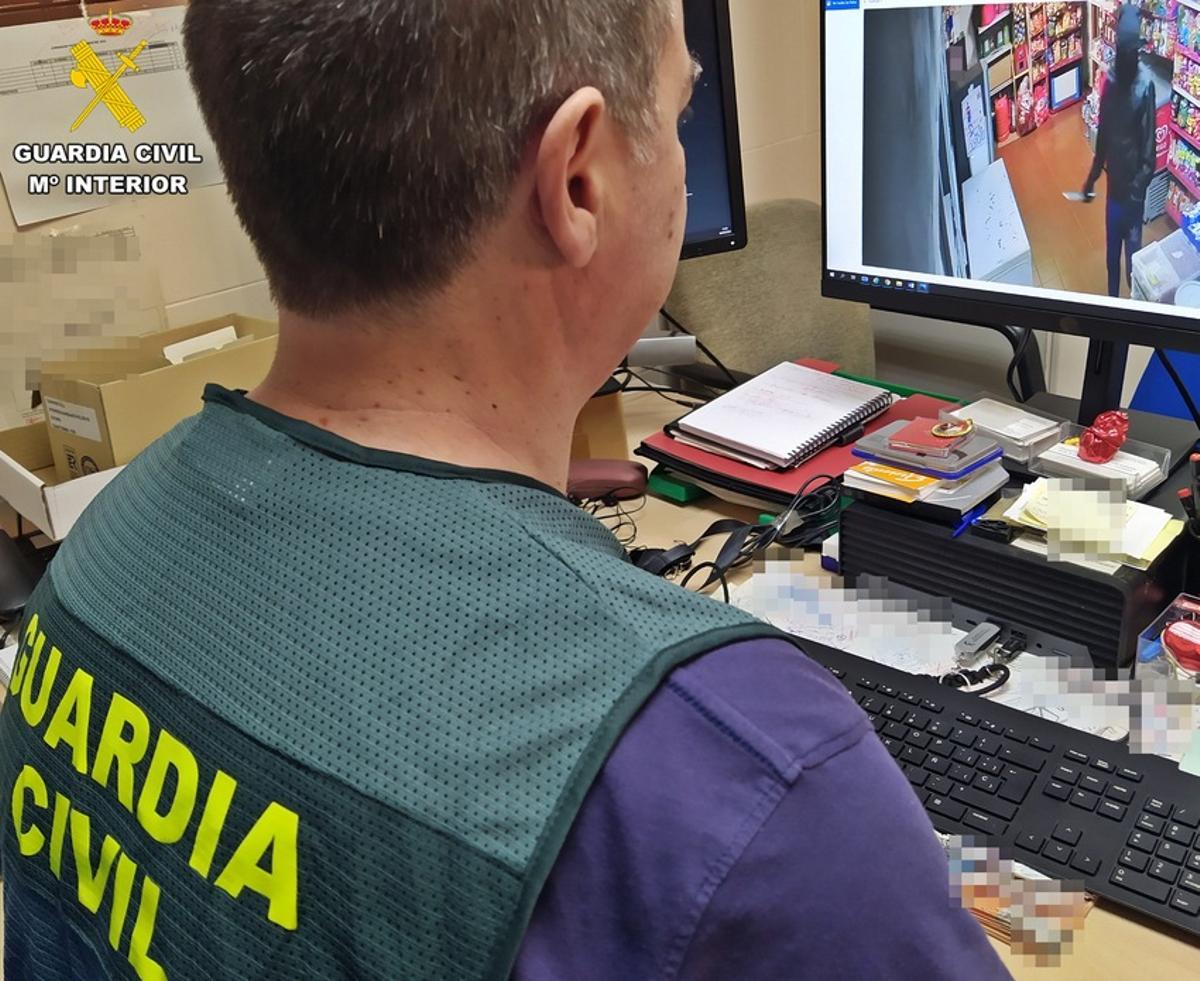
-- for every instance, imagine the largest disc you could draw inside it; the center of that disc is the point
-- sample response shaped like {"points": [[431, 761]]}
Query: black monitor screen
{"points": [[1020, 163], [716, 211]]}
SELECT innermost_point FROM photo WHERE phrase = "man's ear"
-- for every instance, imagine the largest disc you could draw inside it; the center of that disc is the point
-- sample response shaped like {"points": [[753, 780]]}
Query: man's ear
{"points": [[569, 185]]}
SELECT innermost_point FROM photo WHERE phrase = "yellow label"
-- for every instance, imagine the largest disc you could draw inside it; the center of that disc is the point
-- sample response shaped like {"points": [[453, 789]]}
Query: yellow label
{"points": [[896, 477]]}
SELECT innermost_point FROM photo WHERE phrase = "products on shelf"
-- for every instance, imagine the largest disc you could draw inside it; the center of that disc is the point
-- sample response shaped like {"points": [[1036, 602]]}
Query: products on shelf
{"points": [[1065, 49], [1179, 200], [1063, 19], [1026, 117], [1188, 29], [1186, 160], [1158, 34], [1187, 75], [1186, 115], [1041, 103]]}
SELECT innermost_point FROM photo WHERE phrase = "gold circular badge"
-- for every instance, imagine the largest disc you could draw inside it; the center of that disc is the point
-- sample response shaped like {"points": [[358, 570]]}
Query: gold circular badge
{"points": [[954, 430]]}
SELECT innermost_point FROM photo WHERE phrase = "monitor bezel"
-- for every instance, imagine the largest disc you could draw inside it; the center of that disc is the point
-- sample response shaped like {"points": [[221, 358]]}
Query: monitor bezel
{"points": [[733, 147], [974, 306]]}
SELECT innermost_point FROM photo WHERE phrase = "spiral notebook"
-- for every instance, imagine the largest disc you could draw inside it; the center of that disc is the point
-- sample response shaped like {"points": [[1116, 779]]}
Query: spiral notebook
{"points": [[784, 416]]}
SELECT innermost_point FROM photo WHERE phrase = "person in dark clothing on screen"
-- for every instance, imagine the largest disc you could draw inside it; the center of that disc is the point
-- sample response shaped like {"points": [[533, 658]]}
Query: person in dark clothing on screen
{"points": [[1125, 147]]}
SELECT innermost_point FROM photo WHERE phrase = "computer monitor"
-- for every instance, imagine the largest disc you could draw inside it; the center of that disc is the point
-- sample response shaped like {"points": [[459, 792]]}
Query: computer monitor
{"points": [[957, 143], [716, 199]]}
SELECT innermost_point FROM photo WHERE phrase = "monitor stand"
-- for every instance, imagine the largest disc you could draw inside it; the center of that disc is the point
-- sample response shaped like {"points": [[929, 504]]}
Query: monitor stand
{"points": [[1103, 385]]}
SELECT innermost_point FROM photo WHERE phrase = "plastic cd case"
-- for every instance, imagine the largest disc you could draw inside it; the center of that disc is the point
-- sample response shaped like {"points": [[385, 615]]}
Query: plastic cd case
{"points": [[972, 455]]}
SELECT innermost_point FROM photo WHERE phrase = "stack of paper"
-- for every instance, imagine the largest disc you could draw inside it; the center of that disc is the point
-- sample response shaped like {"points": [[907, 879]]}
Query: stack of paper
{"points": [[1021, 434], [1076, 525], [1139, 475]]}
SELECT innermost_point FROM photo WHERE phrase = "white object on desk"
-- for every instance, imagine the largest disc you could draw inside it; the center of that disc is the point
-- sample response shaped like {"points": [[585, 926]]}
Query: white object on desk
{"points": [[997, 244]]}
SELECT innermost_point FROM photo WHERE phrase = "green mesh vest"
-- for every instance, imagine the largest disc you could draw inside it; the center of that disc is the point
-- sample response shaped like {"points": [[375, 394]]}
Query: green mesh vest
{"points": [[290, 708]]}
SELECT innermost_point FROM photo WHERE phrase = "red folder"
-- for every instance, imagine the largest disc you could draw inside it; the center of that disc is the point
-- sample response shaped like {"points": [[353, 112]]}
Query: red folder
{"points": [[778, 487]]}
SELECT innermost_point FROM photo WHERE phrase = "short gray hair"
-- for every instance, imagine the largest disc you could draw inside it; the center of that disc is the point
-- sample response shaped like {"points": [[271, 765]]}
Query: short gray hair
{"points": [[367, 142]]}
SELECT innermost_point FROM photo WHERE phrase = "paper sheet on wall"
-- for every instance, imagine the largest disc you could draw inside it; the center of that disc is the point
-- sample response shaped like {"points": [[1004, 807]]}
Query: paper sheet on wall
{"points": [[39, 103]]}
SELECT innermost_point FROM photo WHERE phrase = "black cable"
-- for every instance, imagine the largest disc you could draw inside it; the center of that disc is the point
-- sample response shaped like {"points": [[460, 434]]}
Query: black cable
{"points": [[1018, 357], [718, 577], [661, 391], [700, 344], [1178, 380]]}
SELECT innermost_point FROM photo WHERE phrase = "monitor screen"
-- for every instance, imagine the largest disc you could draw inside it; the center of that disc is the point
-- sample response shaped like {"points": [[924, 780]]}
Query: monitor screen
{"points": [[1016, 163], [716, 209]]}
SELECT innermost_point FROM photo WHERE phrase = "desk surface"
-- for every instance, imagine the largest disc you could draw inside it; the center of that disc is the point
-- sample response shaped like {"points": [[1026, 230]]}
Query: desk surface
{"points": [[1112, 946]]}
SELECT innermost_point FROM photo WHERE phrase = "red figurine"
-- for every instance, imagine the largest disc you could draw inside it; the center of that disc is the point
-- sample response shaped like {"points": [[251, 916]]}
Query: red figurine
{"points": [[1104, 439]]}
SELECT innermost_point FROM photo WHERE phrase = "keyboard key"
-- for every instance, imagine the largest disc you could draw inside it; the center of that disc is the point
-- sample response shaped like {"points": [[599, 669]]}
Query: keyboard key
{"points": [[1143, 885], [1185, 902], [895, 730], [1193, 862], [918, 739], [1179, 834], [1120, 793], [1037, 742], [946, 808], [1016, 735], [1133, 776], [1164, 871], [1148, 822], [866, 683], [1065, 774], [984, 822], [967, 719], [1172, 852], [837, 673], [918, 720], [931, 706], [1103, 765], [887, 690], [917, 777], [940, 727], [1142, 842], [895, 711], [872, 705], [1076, 756], [1016, 785], [988, 726], [1190, 881], [987, 783], [1112, 810], [965, 757], [1158, 807], [1087, 864], [1057, 852], [1081, 798], [1029, 841], [990, 765], [1094, 784], [913, 755], [983, 802], [892, 746], [1068, 833], [962, 774], [942, 747], [1189, 816], [907, 696], [1135, 860], [877, 722], [962, 737], [1027, 758], [988, 745], [1059, 791], [939, 785], [937, 764]]}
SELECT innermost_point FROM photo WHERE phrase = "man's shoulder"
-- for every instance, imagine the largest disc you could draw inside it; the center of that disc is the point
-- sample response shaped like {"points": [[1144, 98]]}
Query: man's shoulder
{"points": [[773, 700]]}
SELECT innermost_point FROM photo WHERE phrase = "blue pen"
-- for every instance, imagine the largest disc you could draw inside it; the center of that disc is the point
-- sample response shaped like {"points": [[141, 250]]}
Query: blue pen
{"points": [[969, 519]]}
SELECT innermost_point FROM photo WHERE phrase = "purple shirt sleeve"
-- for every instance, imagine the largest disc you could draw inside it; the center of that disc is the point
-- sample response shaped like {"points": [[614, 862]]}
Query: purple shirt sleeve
{"points": [[749, 824]]}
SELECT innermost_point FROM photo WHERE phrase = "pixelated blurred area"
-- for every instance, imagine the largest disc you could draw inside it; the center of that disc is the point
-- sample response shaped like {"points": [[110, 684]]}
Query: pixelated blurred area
{"points": [[1037, 917], [67, 291]]}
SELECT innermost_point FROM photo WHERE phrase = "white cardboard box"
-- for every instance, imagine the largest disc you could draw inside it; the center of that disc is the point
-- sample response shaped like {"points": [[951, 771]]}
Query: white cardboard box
{"points": [[29, 483]]}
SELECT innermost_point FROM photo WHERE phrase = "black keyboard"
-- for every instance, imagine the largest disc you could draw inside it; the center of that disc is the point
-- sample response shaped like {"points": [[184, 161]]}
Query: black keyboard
{"points": [[1069, 804]]}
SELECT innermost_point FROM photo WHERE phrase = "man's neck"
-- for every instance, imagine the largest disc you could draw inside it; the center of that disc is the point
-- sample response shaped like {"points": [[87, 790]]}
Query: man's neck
{"points": [[448, 388]]}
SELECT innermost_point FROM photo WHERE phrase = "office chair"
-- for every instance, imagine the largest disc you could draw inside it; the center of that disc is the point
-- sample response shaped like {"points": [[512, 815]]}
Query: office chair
{"points": [[763, 305]]}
